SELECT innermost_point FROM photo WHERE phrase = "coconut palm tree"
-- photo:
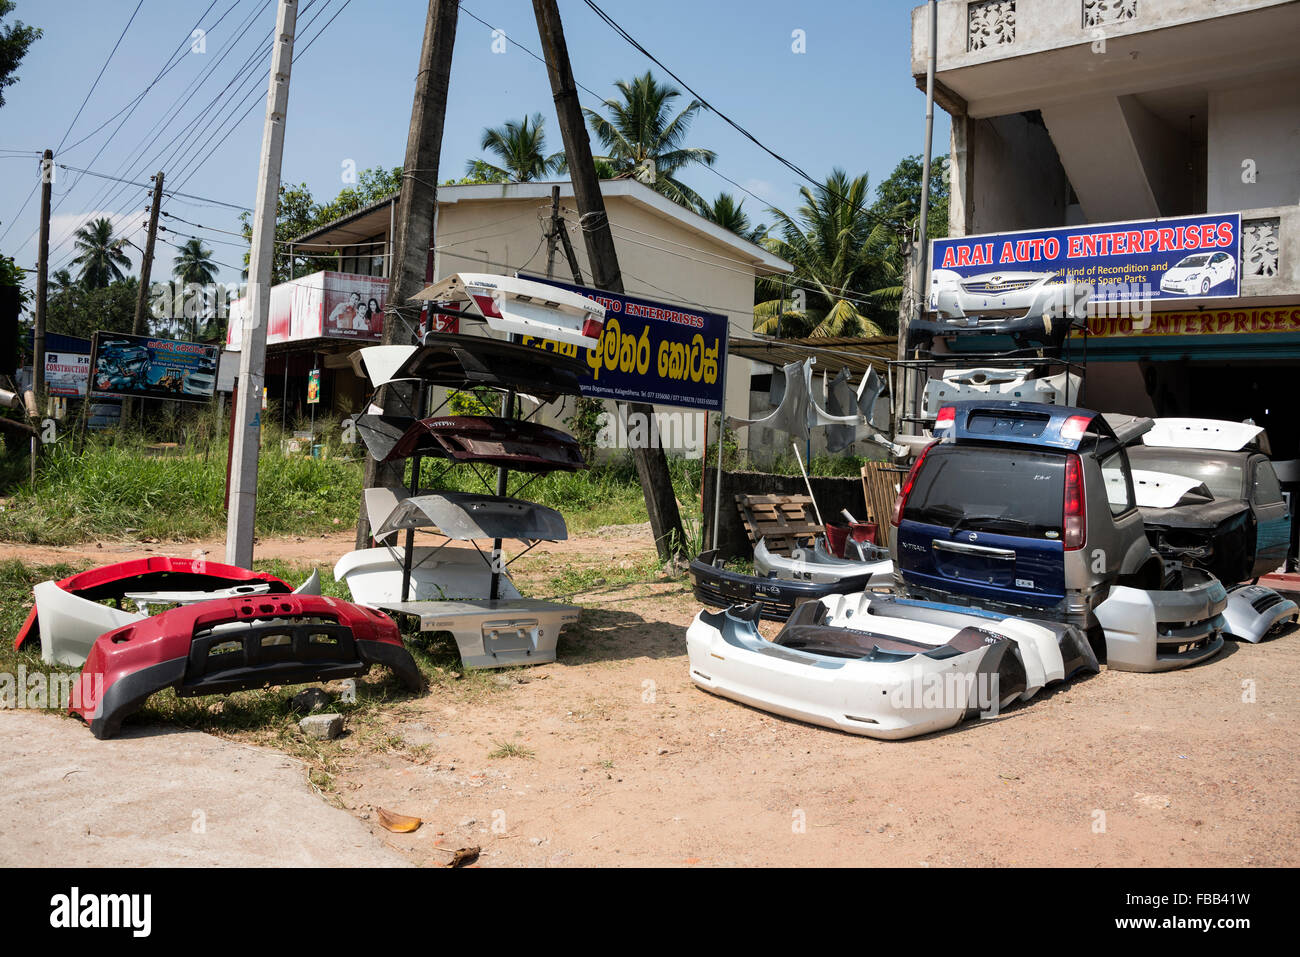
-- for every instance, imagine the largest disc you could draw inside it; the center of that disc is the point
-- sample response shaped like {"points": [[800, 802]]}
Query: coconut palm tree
{"points": [[844, 283], [520, 148], [642, 139], [193, 266], [61, 281], [102, 258], [729, 214]]}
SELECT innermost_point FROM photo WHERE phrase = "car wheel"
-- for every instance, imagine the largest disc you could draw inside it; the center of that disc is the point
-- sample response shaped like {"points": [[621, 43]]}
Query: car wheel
{"points": [[1205, 285]]}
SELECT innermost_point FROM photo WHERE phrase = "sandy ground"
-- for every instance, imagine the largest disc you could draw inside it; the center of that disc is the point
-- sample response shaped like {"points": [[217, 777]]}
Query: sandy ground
{"points": [[628, 763]]}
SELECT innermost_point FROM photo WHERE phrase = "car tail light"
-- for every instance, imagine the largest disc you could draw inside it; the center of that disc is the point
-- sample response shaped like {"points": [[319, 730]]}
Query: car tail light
{"points": [[1074, 521], [946, 418], [1075, 427], [592, 328], [901, 502]]}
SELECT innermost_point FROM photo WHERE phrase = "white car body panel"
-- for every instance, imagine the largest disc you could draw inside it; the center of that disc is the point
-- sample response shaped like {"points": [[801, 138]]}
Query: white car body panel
{"points": [[70, 624], [1218, 435], [1154, 489], [374, 575], [855, 694], [380, 363], [522, 306]]}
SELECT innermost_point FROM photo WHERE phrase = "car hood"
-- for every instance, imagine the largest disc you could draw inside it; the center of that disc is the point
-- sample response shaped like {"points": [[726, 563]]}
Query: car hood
{"points": [[1186, 272]]}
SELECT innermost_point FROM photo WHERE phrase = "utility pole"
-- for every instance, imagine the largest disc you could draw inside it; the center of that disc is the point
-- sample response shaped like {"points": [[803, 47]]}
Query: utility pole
{"points": [[247, 425], [651, 464], [146, 264], [410, 266], [139, 326], [42, 275], [910, 384]]}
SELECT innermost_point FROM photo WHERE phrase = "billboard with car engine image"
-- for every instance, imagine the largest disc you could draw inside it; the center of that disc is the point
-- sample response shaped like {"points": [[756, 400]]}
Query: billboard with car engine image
{"points": [[1188, 257], [128, 365]]}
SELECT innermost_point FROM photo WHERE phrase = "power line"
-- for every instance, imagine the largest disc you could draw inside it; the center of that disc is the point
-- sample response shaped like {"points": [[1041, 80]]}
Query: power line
{"points": [[168, 66], [93, 86], [186, 95], [108, 194]]}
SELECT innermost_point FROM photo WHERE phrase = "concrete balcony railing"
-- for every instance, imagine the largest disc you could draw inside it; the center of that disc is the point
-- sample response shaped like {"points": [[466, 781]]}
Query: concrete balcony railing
{"points": [[1087, 43]]}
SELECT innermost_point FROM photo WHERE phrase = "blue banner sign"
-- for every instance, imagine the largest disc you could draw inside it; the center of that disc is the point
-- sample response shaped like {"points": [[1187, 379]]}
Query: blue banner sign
{"points": [[653, 352], [124, 364], [1189, 257]]}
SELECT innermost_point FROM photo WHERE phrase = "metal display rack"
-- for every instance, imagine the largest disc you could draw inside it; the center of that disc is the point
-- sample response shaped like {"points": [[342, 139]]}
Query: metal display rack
{"points": [[920, 366], [491, 632]]}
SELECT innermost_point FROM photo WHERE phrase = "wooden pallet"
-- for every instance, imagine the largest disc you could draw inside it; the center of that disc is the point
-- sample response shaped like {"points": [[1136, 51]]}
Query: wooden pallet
{"points": [[880, 482], [786, 521]]}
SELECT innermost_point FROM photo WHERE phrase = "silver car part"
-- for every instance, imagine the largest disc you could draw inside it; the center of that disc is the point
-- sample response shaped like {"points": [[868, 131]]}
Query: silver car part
{"points": [[495, 634], [464, 516], [374, 575], [1163, 630], [816, 564], [1254, 613]]}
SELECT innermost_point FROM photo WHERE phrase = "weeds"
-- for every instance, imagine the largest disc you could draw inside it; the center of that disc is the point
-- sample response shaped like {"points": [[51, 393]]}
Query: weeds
{"points": [[508, 749]]}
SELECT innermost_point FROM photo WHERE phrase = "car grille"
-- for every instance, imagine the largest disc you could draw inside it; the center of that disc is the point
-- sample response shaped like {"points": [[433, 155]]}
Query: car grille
{"points": [[710, 594], [992, 289]]}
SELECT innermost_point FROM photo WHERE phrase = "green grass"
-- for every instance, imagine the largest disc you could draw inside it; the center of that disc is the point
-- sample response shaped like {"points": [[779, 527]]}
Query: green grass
{"points": [[508, 749], [116, 489]]}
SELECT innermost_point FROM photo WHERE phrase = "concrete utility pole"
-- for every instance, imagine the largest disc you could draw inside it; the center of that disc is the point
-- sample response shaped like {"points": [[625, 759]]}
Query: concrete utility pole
{"points": [[910, 381], [410, 265], [42, 276], [651, 464], [247, 423]]}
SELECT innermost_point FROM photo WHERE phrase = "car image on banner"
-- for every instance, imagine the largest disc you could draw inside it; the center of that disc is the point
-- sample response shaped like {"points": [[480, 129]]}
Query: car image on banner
{"points": [[128, 365], [1199, 274]]}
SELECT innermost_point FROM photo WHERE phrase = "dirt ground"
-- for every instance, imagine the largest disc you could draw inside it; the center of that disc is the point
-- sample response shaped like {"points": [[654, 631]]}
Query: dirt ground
{"points": [[622, 761]]}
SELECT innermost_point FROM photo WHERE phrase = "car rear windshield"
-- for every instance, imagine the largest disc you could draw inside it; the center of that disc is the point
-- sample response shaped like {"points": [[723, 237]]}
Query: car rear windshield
{"points": [[999, 490], [1224, 478]]}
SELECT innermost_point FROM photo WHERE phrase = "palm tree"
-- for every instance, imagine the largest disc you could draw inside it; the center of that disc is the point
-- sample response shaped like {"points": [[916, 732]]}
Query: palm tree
{"points": [[729, 214], [842, 272], [194, 266], [520, 148], [641, 139], [61, 281], [102, 258]]}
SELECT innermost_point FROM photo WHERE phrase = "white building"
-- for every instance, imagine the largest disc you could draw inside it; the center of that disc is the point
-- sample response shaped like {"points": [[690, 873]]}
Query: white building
{"points": [[1072, 112], [667, 253]]}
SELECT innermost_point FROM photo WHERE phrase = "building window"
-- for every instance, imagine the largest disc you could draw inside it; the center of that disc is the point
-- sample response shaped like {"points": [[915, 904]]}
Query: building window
{"points": [[990, 23], [1259, 252], [1097, 13]]}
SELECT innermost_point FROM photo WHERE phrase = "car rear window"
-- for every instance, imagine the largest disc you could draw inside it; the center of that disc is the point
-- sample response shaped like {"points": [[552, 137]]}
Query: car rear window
{"points": [[1005, 491], [1224, 478]]}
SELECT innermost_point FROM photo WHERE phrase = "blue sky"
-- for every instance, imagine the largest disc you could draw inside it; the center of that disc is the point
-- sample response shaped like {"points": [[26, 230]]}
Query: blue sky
{"points": [[847, 101]]}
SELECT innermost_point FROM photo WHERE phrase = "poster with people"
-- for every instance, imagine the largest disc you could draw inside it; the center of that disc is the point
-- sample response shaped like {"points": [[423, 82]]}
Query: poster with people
{"points": [[353, 306]]}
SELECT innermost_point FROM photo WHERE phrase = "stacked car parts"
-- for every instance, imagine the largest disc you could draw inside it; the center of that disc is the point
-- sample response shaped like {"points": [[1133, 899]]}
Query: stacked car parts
{"points": [[463, 588]]}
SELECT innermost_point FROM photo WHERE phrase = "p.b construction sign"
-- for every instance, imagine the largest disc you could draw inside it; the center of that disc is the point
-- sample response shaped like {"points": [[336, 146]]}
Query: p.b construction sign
{"points": [[650, 351], [1187, 257]]}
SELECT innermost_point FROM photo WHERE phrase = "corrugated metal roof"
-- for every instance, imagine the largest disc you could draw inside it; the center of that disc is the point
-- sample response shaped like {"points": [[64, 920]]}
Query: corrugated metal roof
{"points": [[832, 352]]}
